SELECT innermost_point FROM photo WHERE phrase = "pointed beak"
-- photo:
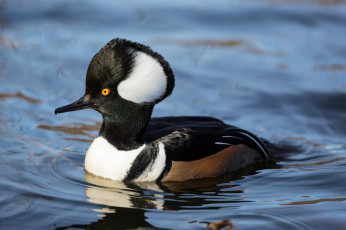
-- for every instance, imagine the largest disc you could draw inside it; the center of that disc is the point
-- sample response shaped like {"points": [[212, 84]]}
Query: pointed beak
{"points": [[82, 103]]}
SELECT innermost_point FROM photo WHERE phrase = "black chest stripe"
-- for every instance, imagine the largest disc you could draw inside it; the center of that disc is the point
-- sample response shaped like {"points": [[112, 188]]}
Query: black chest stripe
{"points": [[143, 161]]}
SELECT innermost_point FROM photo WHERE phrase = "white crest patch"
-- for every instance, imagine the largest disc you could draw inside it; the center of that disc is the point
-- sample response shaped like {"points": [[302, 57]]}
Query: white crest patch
{"points": [[146, 83]]}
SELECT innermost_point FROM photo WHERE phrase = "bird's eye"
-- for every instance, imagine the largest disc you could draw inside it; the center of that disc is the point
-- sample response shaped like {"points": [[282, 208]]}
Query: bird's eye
{"points": [[105, 92]]}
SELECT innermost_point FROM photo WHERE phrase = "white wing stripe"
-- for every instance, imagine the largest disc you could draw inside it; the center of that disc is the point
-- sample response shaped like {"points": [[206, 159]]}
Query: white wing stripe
{"points": [[254, 140], [222, 143]]}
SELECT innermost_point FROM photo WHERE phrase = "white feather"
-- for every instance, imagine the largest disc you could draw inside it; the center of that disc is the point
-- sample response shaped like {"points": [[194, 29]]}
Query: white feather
{"points": [[258, 144], [105, 160], [153, 172], [222, 143], [147, 81]]}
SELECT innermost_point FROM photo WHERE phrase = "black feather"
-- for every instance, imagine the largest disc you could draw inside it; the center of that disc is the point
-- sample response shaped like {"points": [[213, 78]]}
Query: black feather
{"points": [[193, 138], [143, 161]]}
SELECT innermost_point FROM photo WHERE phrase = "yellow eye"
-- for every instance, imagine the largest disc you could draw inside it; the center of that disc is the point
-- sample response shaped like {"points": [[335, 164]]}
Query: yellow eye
{"points": [[105, 92]]}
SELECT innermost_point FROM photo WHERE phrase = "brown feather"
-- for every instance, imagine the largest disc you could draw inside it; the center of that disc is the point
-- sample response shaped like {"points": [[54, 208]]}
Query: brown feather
{"points": [[227, 160]]}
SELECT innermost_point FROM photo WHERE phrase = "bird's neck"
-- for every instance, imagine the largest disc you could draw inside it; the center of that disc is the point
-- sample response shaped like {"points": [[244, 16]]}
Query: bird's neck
{"points": [[126, 133]]}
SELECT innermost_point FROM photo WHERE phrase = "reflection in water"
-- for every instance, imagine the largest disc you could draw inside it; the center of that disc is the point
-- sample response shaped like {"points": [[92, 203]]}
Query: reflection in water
{"points": [[118, 194], [124, 205], [123, 218]]}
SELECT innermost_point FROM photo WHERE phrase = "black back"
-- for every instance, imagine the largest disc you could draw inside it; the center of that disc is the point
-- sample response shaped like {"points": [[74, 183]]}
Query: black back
{"points": [[193, 138]]}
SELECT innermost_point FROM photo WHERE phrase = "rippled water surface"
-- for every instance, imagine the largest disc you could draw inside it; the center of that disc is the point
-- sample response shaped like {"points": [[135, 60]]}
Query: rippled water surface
{"points": [[276, 68]]}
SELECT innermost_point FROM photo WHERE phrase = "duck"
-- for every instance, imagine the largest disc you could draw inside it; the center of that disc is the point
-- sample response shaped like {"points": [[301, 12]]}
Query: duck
{"points": [[124, 81]]}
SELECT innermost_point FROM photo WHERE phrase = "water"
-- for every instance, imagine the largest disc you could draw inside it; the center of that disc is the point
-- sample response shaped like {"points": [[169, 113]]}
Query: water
{"points": [[276, 68]]}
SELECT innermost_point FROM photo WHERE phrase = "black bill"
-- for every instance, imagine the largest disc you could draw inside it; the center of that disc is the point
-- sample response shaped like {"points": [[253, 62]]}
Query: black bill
{"points": [[82, 103]]}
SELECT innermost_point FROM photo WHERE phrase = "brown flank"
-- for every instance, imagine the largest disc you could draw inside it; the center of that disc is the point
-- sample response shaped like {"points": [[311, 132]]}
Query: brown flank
{"points": [[227, 160]]}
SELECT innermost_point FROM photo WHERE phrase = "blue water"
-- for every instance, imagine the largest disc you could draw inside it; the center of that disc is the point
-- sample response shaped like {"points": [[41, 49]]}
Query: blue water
{"points": [[276, 68]]}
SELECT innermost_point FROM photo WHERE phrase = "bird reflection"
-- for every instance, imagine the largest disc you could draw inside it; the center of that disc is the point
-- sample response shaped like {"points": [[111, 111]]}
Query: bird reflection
{"points": [[118, 194], [124, 205]]}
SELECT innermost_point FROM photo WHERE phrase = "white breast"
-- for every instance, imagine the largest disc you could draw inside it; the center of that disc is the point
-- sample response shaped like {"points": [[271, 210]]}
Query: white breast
{"points": [[103, 159]]}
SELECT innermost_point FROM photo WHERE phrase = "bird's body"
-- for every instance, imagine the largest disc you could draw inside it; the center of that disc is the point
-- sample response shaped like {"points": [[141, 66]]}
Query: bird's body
{"points": [[124, 82]]}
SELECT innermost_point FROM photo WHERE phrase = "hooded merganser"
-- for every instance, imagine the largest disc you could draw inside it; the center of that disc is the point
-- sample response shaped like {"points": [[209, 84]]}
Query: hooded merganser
{"points": [[124, 81]]}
